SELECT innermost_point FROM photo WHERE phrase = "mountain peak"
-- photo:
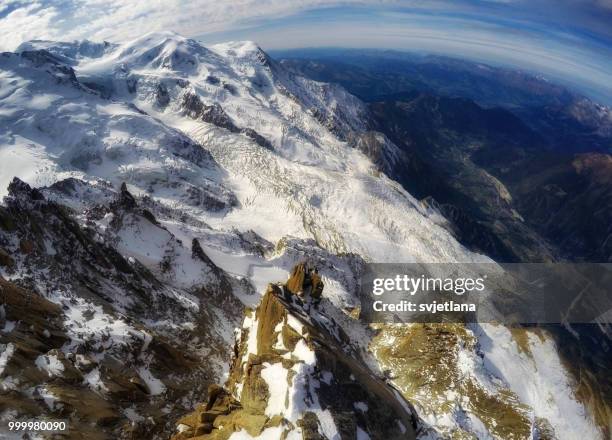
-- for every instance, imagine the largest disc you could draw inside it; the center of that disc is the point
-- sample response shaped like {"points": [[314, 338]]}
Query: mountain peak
{"points": [[166, 50], [153, 39], [70, 53], [296, 375], [20, 189], [246, 49]]}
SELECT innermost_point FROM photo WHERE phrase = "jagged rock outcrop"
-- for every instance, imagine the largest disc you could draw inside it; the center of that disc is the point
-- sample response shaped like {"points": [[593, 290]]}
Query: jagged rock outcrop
{"points": [[89, 333], [60, 72], [295, 375], [214, 114], [312, 195]]}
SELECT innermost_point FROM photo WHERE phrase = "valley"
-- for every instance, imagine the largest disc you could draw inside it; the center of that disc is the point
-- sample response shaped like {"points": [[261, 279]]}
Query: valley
{"points": [[159, 196]]}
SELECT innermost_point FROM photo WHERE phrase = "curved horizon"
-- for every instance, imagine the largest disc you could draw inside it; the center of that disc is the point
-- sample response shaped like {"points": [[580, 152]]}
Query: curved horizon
{"points": [[567, 41]]}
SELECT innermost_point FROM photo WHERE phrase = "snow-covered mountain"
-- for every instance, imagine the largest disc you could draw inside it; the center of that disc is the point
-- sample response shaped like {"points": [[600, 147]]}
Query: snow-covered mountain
{"points": [[297, 375], [174, 183]]}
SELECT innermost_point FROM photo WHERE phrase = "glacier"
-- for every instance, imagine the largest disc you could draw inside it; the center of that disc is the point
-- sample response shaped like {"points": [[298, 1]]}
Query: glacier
{"points": [[167, 151]]}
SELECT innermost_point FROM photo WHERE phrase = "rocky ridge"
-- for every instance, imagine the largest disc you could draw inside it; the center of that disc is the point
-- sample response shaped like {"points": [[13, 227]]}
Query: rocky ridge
{"points": [[296, 375], [157, 224], [83, 323]]}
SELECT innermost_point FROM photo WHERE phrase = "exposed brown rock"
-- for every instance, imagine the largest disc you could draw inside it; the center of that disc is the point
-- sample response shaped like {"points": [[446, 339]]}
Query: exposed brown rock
{"points": [[310, 427], [352, 380], [296, 280], [5, 259], [26, 246], [78, 268]]}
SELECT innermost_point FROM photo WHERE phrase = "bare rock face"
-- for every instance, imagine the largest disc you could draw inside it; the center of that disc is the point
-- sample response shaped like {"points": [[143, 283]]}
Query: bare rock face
{"points": [[83, 335], [214, 114], [295, 375], [148, 319]]}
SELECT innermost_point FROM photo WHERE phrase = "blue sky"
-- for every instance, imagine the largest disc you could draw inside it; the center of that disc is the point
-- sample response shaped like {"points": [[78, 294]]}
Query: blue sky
{"points": [[566, 40]]}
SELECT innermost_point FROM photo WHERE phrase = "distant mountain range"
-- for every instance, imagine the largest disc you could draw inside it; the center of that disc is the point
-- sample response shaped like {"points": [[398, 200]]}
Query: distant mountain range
{"points": [[521, 166]]}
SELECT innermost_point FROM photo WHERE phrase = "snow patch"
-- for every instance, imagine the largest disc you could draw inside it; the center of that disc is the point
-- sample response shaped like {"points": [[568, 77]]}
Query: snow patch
{"points": [[51, 364], [5, 356], [275, 376], [155, 385]]}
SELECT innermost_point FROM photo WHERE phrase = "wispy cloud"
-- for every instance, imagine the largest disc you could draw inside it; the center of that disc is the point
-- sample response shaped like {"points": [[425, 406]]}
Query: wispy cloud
{"points": [[118, 20], [21, 21], [571, 38]]}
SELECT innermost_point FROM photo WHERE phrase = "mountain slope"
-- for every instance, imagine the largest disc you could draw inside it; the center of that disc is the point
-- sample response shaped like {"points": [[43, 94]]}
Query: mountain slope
{"points": [[204, 174], [296, 374], [114, 327], [493, 146]]}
